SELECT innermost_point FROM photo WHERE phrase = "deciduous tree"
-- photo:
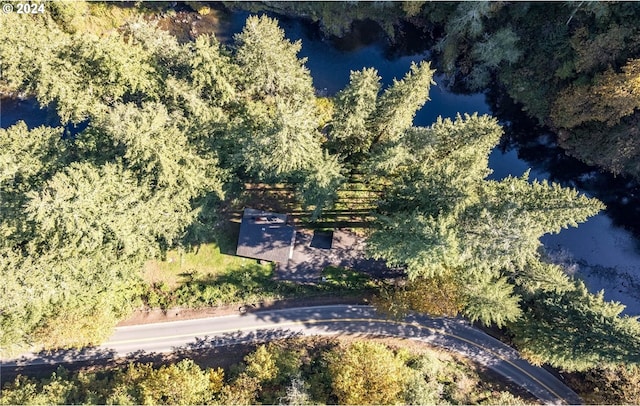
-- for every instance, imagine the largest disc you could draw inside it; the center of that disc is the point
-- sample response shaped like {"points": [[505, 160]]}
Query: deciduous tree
{"points": [[366, 373], [611, 97], [439, 295]]}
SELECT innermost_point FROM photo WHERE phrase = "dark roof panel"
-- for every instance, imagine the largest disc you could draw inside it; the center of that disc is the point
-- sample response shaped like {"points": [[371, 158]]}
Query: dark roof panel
{"points": [[265, 235]]}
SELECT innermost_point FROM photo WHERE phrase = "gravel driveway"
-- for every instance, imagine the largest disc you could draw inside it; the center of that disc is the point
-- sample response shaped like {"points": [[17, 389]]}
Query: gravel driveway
{"points": [[347, 250]]}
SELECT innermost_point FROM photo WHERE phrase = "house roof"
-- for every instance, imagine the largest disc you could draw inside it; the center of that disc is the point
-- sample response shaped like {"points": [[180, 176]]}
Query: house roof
{"points": [[265, 235]]}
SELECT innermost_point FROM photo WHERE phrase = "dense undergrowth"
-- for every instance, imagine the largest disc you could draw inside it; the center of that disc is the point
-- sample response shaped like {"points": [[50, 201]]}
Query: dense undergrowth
{"points": [[295, 371]]}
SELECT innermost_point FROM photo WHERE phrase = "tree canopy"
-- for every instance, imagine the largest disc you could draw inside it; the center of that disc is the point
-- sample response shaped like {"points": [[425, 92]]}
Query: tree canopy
{"points": [[170, 127], [441, 216]]}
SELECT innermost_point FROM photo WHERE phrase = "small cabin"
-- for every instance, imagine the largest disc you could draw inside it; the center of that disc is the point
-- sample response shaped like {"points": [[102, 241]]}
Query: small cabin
{"points": [[265, 236]]}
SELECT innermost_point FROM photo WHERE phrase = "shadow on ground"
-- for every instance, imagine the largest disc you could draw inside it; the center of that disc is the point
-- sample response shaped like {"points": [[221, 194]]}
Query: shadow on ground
{"points": [[314, 251]]}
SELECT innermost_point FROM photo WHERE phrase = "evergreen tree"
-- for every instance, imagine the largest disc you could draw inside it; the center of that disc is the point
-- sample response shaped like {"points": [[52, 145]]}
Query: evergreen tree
{"points": [[269, 62], [277, 134], [84, 209], [494, 50], [439, 214], [27, 46], [154, 145], [541, 276], [452, 215], [212, 71], [502, 230], [79, 75], [354, 105], [398, 104], [279, 139], [83, 232], [28, 158], [490, 300], [427, 246], [462, 23], [319, 185], [58, 298], [436, 169], [163, 53], [576, 330], [106, 70]]}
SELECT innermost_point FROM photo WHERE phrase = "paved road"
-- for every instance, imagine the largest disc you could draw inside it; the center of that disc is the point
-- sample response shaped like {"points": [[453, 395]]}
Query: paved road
{"points": [[453, 334]]}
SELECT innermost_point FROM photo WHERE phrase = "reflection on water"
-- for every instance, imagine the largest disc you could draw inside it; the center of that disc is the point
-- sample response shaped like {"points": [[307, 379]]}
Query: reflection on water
{"points": [[525, 146], [605, 250], [27, 110], [330, 66]]}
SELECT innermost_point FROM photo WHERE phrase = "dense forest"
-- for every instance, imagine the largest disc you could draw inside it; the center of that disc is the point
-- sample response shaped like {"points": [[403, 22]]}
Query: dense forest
{"points": [[573, 66], [176, 128]]}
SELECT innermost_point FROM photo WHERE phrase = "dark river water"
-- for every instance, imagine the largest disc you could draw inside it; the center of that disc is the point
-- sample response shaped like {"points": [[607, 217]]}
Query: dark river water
{"points": [[604, 251]]}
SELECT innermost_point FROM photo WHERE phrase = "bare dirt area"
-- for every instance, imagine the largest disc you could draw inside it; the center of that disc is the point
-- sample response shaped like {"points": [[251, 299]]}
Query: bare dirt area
{"points": [[187, 25]]}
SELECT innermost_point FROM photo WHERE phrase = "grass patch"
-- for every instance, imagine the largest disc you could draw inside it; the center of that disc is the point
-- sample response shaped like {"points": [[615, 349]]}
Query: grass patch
{"points": [[253, 283], [207, 278], [346, 279], [248, 282], [209, 274], [212, 259]]}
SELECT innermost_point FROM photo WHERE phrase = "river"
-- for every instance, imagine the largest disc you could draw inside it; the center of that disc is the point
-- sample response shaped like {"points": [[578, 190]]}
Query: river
{"points": [[602, 251]]}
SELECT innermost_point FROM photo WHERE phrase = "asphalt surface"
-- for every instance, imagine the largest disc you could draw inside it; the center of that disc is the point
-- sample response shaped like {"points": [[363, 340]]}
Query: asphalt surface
{"points": [[454, 334]]}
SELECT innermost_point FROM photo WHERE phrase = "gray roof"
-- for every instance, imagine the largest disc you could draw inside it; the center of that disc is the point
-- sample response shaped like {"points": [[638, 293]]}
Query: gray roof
{"points": [[265, 235]]}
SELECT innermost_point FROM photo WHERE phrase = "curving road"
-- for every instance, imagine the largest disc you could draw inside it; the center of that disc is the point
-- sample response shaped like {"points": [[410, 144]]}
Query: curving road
{"points": [[454, 334]]}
